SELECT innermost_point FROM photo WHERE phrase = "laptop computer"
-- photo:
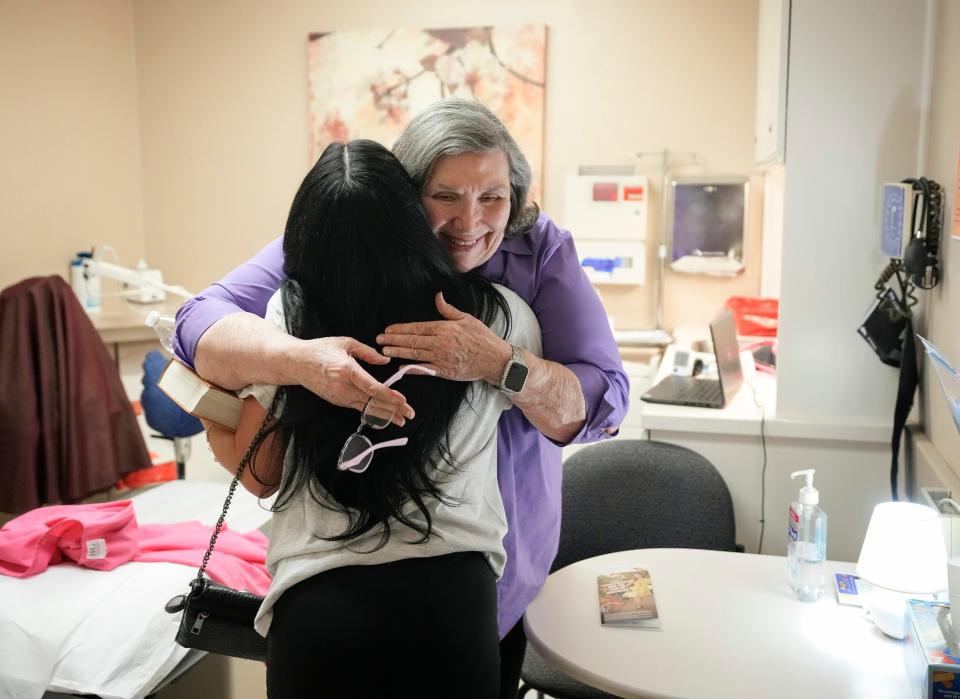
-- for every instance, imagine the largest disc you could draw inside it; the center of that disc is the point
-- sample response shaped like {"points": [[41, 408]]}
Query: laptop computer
{"points": [[706, 393]]}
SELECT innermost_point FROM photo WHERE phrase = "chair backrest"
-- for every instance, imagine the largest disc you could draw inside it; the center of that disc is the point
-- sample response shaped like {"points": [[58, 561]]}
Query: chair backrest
{"points": [[159, 410], [627, 494], [67, 430]]}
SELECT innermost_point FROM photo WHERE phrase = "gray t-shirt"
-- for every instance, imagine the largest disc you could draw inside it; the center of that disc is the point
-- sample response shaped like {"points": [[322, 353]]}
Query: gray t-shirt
{"points": [[476, 522]]}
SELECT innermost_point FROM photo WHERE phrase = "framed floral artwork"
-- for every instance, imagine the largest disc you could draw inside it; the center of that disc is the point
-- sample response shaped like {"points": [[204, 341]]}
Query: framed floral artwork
{"points": [[370, 83]]}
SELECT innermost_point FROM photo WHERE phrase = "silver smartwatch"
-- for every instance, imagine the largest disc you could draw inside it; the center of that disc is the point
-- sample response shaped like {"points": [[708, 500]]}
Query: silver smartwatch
{"points": [[514, 373]]}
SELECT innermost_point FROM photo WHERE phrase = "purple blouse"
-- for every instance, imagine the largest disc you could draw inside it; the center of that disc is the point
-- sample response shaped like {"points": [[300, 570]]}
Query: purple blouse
{"points": [[543, 269]]}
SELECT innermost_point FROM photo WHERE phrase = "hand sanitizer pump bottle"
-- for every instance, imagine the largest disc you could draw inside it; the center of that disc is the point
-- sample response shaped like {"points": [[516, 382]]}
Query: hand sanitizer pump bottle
{"points": [[807, 542]]}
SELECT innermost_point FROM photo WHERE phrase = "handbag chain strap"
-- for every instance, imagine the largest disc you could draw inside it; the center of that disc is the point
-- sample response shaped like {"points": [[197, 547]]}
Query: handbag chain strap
{"points": [[226, 503]]}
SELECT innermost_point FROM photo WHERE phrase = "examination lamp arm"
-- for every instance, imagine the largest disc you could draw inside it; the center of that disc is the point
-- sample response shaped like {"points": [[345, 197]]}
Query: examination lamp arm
{"points": [[130, 276]]}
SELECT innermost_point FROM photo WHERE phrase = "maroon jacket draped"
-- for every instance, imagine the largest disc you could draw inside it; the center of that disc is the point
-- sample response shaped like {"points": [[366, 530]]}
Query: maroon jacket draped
{"points": [[66, 426]]}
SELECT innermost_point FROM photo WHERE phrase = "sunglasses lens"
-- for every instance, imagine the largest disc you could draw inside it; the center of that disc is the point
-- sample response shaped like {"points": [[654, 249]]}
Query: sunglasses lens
{"points": [[377, 417], [355, 446]]}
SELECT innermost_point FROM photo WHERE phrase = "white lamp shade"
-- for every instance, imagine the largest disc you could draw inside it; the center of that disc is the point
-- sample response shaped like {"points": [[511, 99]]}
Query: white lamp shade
{"points": [[904, 550]]}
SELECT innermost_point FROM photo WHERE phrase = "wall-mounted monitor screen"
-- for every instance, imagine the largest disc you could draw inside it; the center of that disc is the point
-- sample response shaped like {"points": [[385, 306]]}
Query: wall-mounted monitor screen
{"points": [[706, 224]]}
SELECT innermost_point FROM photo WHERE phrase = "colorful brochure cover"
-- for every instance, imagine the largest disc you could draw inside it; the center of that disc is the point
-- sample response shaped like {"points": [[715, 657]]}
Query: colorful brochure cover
{"points": [[626, 598]]}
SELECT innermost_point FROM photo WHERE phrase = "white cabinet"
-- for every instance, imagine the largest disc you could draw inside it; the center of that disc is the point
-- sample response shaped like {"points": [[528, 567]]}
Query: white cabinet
{"points": [[640, 373], [773, 40]]}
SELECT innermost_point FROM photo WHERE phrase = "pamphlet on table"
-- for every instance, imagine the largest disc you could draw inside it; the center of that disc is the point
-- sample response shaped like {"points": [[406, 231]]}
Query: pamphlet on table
{"points": [[626, 598]]}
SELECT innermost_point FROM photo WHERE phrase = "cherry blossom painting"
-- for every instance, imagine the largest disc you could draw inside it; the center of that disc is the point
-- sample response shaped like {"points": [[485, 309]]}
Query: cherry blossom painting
{"points": [[370, 83]]}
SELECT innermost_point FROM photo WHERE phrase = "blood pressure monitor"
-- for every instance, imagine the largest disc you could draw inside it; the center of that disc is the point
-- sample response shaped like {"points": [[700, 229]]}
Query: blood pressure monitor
{"points": [[686, 362]]}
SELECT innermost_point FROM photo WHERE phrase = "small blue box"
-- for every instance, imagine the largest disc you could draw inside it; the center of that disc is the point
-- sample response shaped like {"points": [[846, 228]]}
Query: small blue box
{"points": [[932, 665]]}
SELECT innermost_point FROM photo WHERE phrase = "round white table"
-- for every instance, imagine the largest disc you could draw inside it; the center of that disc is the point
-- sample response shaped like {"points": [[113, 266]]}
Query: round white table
{"points": [[729, 628]]}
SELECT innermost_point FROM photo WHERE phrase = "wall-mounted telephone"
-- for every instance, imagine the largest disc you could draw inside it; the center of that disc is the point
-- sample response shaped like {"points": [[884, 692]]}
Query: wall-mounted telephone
{"points": [[912, 224]]}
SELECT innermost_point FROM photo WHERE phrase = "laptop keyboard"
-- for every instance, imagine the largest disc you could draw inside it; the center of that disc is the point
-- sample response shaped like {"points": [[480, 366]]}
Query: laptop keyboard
{"points": [[699, 391]]}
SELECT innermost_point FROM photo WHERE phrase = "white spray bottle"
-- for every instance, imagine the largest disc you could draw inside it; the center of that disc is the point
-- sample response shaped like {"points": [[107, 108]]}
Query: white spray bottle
{"points": [[807, 542], [164, 327]]}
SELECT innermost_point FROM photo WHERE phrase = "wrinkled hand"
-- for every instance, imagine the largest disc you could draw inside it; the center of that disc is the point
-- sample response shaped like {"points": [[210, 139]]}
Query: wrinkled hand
{"points": [[460, 348], [330, 369]]}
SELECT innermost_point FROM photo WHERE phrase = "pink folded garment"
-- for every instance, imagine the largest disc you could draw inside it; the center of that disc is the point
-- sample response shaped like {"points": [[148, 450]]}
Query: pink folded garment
{"points": [[238, 560], [99, 536], [104, 535]]}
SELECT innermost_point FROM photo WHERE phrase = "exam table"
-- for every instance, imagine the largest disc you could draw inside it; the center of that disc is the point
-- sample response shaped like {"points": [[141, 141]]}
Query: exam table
{"points": [[74, 630]]}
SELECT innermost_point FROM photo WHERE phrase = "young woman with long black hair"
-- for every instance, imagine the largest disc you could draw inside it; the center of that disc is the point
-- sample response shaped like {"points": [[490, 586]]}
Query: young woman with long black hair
{"points": [[385, 544]]}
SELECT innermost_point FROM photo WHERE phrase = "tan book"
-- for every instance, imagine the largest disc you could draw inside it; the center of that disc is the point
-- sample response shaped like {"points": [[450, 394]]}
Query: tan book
{"points": [[199, 397]]}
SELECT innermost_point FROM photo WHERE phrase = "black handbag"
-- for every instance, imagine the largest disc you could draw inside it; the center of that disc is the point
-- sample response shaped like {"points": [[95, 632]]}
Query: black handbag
{"points": [[216, 618]]}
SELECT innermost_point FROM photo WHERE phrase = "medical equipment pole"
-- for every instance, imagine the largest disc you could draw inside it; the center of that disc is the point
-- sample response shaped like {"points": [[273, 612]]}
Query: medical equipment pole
{"points": [[661, 269], [662, 247]]}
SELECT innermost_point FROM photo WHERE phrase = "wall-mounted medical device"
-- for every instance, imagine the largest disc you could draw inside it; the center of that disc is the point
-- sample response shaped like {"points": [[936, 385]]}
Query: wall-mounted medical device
{"points": [[898, 200], [607, 215], [911, 226], [707, 224], [910, 229]]}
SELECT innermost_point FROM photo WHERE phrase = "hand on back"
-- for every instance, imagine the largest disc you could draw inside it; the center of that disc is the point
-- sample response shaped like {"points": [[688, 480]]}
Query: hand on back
{"points": [[461, 347], [331, 370]]}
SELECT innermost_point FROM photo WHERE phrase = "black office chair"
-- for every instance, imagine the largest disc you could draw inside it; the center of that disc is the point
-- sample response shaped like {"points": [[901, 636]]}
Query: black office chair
{"points": [[632, 494]]}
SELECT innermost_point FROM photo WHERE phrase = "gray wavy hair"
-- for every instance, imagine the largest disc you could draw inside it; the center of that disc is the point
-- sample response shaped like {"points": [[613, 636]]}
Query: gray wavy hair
{"points": [[456, 126]]}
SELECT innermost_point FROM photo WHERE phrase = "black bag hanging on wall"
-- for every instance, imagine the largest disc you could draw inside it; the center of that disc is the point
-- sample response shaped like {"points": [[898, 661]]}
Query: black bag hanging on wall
{"points": [[216, 618]]}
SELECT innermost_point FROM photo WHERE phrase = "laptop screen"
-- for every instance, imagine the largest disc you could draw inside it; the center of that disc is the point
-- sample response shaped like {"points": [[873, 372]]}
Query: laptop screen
{"points": [[724, 334]]}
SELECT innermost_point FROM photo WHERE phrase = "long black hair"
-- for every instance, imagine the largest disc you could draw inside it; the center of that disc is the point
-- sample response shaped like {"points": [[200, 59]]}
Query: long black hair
{"points": [[359, 255]]}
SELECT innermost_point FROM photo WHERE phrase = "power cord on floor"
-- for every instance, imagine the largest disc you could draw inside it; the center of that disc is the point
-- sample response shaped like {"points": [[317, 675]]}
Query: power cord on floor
{"points": [[763, 469]]}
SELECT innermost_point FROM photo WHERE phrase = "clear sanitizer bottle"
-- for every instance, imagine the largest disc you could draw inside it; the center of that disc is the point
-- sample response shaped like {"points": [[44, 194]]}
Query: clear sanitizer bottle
{"points": [[807, 542]]}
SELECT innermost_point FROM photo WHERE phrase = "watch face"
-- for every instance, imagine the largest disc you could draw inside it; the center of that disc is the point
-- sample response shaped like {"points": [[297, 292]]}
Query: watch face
{"points": [[516, 377]]}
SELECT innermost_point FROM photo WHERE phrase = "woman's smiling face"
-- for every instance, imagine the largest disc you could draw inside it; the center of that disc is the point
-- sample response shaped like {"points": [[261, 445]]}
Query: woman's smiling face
{"points": [[468, 203]]}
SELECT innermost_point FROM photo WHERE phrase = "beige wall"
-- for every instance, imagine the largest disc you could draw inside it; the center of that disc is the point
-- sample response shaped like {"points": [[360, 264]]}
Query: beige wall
{"points": [[224, 113], [943, 303], [211, 98], [69, 134]]}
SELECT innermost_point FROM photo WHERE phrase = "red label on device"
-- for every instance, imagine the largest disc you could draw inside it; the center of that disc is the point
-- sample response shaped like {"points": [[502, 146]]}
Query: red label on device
{"points": [[604, 191], [633, 193], [794, 516]]}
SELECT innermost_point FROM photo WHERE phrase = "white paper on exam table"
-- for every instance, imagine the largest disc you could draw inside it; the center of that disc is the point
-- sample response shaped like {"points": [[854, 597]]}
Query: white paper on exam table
{"points": [[105, 632]]}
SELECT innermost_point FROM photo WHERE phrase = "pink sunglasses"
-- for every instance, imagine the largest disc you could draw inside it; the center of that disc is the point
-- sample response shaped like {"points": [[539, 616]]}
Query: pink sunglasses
{"points": [[357, 452]]}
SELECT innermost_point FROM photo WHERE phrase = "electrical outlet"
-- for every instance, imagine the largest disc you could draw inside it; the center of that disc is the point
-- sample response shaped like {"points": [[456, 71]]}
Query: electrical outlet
{"points": [[949, 517]]}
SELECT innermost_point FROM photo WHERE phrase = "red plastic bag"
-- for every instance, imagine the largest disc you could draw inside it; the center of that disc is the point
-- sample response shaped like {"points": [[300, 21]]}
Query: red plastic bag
{"points": [[160, 472], [755, 316]]}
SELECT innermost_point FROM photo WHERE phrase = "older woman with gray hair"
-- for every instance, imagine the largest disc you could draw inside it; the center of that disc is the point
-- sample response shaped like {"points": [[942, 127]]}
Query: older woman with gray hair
{"points": [[473, 183]]}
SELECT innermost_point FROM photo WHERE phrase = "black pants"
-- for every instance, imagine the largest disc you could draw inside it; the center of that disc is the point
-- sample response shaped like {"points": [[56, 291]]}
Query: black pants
{"points": [[424, 627], [512, 649]]}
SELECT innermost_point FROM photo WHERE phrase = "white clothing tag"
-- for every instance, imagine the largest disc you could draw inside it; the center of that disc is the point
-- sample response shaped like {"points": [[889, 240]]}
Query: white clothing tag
{"points": [[96, 549]]}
